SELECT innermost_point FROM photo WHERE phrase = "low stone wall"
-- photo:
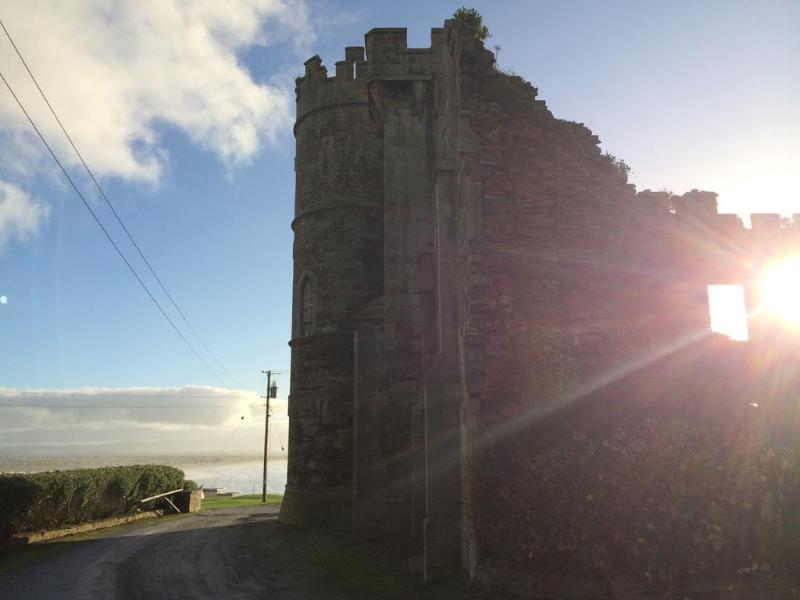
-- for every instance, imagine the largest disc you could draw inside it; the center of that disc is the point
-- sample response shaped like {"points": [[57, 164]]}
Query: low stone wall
{"points": [[46, 536]]}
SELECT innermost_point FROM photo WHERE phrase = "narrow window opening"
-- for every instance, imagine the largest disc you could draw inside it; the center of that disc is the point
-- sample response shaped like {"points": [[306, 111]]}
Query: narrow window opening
{"points": [[306, 307], [728, 311], [354, 69]]}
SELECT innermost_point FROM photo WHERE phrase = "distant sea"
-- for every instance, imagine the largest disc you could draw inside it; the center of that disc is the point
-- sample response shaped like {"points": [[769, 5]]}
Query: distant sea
{"points": [[241, 474]]}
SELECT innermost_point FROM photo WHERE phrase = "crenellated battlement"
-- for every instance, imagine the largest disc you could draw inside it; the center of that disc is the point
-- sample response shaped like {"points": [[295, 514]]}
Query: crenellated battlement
{"points": [[686, 236], [385, 56], [315, 89], [700, 207], [389, 57]]}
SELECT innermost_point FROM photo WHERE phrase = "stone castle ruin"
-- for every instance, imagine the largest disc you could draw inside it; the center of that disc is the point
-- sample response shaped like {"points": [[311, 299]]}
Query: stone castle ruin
{"points": [[501, 353]]}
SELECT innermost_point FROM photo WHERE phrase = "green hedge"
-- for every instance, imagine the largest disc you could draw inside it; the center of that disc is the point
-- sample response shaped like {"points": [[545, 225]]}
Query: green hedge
{"points": [[37, 501]]}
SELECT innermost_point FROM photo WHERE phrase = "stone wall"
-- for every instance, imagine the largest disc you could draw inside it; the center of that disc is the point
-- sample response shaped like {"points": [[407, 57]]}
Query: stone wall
{"points": [[511, 367], [605, 428]]}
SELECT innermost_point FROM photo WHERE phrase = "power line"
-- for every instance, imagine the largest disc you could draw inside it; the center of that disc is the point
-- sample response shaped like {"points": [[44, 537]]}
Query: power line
{"points": [[120, 406], [111, 206], [105, 231], [225, 447], [56, 395]]}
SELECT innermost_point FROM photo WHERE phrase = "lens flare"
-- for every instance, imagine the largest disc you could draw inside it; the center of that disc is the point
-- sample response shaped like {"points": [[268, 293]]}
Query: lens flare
{"points": [[780, 291]]}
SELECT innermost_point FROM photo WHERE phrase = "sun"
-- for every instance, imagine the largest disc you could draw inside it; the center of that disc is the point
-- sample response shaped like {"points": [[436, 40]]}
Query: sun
{"points": [[780, 291]]}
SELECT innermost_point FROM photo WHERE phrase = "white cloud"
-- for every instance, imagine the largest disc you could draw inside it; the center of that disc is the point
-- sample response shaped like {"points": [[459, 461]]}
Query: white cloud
{"points": [[20, 215], [118, 72], [187, 419]]}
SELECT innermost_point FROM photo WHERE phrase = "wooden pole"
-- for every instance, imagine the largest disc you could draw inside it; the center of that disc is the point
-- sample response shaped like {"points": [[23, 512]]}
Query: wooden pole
{"points": [[266, 436]]}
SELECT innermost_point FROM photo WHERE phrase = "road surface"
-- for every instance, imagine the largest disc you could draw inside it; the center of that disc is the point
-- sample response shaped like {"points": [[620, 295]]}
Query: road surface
{"points": [[234, 553]]}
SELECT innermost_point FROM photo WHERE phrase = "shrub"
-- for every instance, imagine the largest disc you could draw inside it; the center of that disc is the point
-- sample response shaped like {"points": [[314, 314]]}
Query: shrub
{"points": [[619, 164], [472, 18], [30, 502]]}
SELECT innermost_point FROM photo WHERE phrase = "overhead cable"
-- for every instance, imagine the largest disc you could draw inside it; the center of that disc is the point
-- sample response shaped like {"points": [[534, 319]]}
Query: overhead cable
{"points": [[111, 206], [107, 234]]}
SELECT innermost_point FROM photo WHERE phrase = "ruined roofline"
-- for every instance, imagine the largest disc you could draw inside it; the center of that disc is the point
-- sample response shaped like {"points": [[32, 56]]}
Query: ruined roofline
{"points": [[386, 55]]}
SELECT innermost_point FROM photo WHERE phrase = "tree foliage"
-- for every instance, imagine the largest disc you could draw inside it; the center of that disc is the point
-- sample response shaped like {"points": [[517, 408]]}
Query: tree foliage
{"points": [[472, 18]]}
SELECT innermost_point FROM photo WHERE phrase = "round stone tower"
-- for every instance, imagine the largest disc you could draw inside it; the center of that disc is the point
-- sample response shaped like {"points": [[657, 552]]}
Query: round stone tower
{"points": [[338, 270]]}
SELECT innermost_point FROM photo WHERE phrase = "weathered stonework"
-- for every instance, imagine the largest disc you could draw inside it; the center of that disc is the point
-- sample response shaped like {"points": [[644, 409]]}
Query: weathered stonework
{"points": [[501, 323]]}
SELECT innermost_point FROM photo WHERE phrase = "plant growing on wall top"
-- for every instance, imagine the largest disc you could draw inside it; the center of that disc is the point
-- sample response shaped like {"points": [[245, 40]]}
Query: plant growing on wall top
{"points": [[472, 18], [619, 164]]}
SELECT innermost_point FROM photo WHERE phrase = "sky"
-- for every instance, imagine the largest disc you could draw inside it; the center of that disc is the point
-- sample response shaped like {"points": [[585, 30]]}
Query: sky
{"points": [[183, 111]]}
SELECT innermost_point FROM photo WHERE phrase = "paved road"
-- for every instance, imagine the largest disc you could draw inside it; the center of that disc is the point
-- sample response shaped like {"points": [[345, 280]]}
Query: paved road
{"points": [[232, 553]]}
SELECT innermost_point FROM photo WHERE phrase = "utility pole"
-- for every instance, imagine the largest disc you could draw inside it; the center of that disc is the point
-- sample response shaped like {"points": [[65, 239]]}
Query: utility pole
{"points": [[266, 434]]}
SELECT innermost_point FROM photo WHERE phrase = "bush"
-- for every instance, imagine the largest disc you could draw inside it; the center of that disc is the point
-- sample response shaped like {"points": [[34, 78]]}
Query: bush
{"points": [[31, 502], [619, 164], [472, 18]]}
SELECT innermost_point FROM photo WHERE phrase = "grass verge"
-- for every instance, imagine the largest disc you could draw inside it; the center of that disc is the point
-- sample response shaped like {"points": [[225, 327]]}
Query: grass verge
{"points": [[352, 568], [246, 500], [362, 570]]}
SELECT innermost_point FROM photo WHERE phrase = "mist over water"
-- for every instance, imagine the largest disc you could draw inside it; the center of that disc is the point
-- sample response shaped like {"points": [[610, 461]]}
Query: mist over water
{"points": [[241, 474], [244, 476]]}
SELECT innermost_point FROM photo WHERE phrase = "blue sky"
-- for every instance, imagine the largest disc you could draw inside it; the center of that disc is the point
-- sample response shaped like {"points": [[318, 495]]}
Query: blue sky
{"points": [[190, 135]]}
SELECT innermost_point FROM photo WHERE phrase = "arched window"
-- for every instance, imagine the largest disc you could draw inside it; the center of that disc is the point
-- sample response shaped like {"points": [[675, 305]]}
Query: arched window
{"points": [[306, 307]]}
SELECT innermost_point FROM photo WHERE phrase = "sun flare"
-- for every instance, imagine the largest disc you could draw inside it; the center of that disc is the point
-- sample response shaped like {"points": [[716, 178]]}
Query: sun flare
{"points": [[780, 291]]}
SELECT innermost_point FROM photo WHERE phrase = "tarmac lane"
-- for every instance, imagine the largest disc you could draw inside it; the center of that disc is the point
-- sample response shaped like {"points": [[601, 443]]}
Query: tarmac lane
{"points": [[236, 553]]}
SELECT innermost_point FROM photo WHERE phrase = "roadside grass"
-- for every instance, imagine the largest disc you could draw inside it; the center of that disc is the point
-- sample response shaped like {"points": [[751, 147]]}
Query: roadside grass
{"points": [[353, 568], [369, 571], [236, 502]]}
